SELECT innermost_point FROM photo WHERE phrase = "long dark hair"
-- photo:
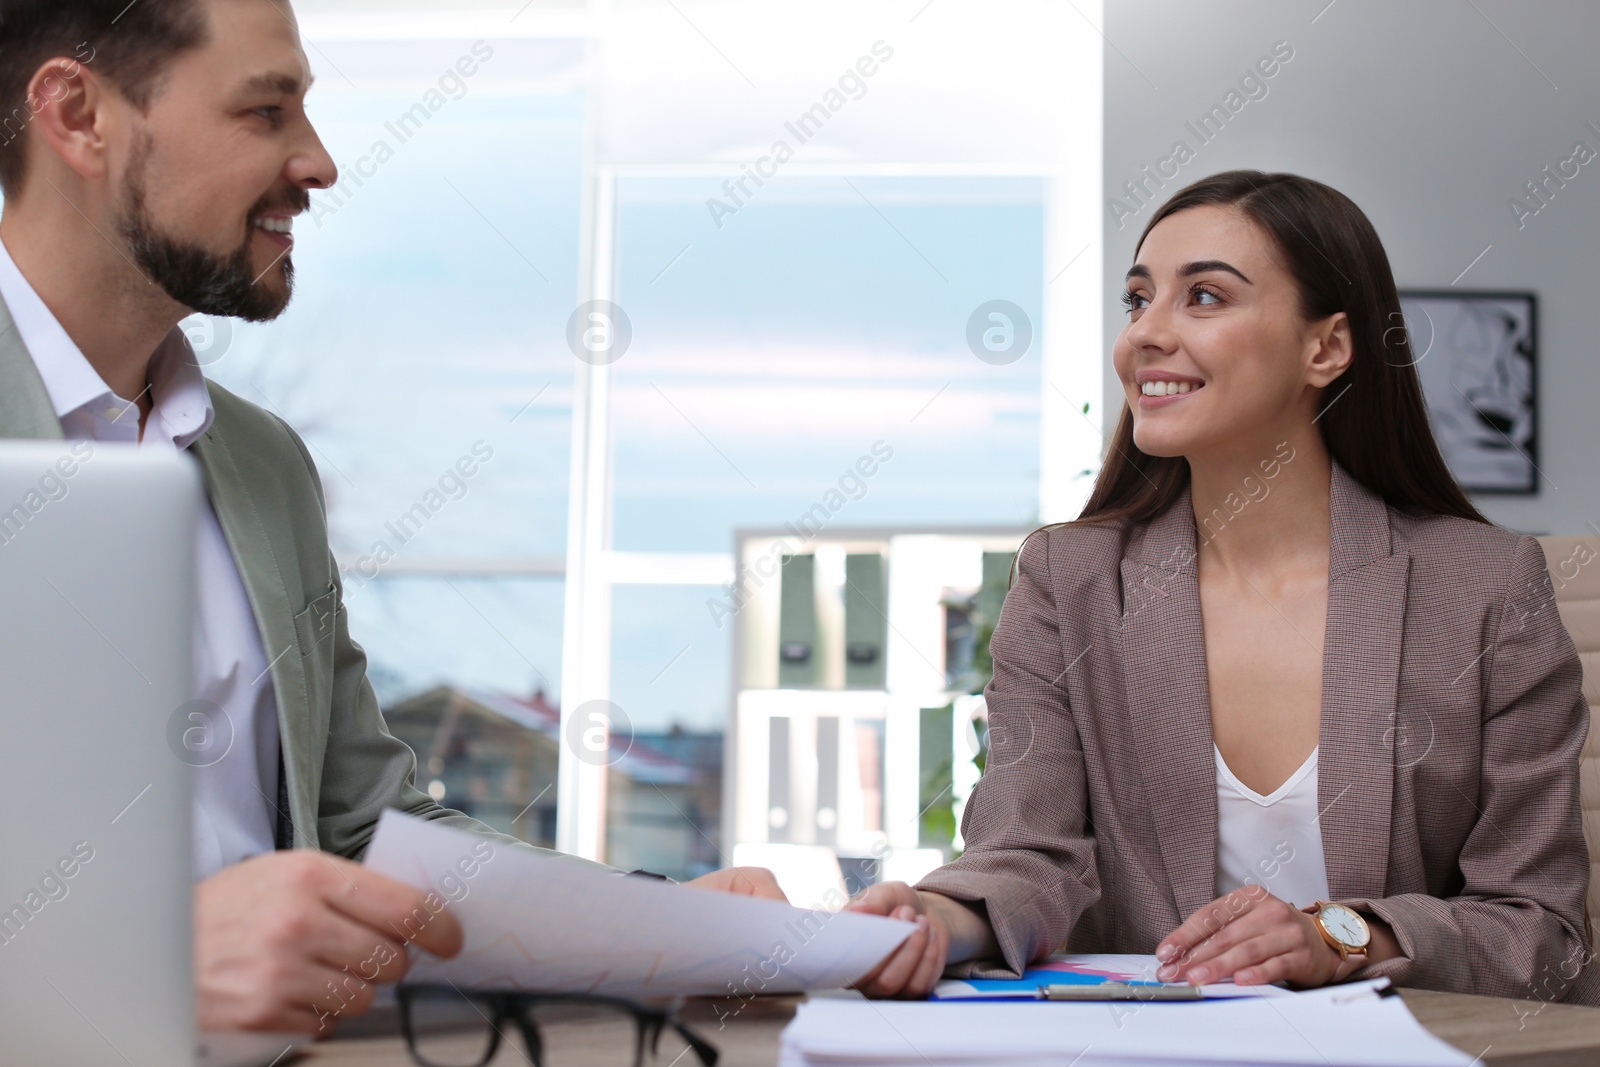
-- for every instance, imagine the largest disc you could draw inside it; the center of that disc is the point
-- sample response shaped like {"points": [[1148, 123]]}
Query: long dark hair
{"points": [[1373, 419]]}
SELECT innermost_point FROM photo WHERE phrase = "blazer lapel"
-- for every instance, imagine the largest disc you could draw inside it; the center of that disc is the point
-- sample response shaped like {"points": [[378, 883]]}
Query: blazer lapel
{"points": [[1164, 664], [250, 541], [1360, 679], [25, 408], [26, 412], [1169, 706]]}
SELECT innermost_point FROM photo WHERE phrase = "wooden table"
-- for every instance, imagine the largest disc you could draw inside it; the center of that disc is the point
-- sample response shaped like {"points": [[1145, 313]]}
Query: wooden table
{"points": [[1506, 1031], [1500, 1031]]}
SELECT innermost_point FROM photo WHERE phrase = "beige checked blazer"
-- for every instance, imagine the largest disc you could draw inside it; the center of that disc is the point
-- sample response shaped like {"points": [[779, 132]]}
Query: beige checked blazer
{"points": [[1452, 720]]}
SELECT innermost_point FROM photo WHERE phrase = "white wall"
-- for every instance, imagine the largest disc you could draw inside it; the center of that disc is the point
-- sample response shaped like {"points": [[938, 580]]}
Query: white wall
{"points": [[1430, 114]]}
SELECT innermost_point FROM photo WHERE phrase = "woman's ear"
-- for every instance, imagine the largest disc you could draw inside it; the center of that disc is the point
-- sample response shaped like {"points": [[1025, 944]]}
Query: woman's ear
{"points": [[1331, 350]]}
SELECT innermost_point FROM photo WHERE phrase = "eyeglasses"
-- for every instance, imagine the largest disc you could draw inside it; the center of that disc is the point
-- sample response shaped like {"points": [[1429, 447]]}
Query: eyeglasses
{"points": [[445, 1026]]}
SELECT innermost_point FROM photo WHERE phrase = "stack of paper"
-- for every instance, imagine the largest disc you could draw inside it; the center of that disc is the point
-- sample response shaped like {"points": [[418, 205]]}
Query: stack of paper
{"points": [[1345, 1026], [545, 923]]}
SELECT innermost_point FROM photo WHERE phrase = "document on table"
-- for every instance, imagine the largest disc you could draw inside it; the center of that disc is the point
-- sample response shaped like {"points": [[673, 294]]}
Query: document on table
{"points": [[545, 923], [1342, 1026], [1085, 969]]}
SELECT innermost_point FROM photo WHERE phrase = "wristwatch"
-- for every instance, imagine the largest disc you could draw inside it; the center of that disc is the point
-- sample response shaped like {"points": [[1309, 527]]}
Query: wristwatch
{"points": [[1344, 930]]}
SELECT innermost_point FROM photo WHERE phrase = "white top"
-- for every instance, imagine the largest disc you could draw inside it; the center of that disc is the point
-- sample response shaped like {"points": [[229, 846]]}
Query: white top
{"points": [[235, 794], [1272, 841]]}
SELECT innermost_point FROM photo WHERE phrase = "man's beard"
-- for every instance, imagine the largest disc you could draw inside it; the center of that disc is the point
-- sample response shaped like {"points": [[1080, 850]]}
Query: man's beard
{"points": [[199, 279]]}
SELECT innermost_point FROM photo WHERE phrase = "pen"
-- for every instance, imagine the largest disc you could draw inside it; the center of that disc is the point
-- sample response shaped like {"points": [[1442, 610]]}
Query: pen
{"points": [[1120, 991]]}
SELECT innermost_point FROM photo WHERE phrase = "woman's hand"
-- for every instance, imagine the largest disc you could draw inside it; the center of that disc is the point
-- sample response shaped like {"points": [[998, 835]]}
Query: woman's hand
{"points": [[1253, 938], [913, 968]]}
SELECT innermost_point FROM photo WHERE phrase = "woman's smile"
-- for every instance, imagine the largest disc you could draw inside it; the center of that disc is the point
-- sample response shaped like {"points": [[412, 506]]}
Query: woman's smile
{"points": [[1158, 389]]}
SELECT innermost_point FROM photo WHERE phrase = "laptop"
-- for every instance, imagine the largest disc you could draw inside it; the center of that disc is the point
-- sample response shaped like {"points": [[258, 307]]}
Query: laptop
{"points": [[97, 586]]}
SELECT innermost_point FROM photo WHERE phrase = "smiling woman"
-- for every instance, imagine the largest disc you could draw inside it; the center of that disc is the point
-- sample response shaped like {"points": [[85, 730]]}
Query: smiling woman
{"points": [[1227, 707], [1374, 419]]}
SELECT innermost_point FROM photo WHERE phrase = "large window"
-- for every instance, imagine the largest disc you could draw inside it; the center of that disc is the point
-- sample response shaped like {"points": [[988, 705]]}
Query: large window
{"points": [[424, 343], [829, 316], [911, 291], [772, 355]]}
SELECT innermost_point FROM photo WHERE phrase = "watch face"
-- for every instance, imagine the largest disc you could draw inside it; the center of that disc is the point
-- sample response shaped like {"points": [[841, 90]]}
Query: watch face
{"points": [[1345, 925]]}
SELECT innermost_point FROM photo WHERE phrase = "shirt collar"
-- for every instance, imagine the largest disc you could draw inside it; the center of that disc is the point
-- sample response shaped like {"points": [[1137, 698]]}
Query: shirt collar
{"points": [[178, 390], [181, 407]]}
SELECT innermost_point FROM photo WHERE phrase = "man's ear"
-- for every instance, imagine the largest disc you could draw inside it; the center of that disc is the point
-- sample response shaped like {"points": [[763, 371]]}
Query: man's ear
{"points": [[1331, 352], [69, 105]]}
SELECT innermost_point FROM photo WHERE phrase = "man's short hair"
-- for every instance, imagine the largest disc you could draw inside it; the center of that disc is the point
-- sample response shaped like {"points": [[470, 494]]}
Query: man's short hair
{"points": [[129, 44]]}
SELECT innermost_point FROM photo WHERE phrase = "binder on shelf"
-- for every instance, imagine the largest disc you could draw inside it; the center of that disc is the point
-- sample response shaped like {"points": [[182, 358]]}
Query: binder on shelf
{"points": [[798, 660], [827, 779], [779, 809], [866, 621]]}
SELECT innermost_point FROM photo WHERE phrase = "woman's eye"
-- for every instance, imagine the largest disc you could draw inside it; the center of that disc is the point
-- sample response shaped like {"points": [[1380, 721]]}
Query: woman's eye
{"points": [[1132, 301], [1200, 292]]}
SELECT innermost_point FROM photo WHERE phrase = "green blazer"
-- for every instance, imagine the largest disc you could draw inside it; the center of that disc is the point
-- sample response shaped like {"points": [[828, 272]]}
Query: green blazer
{"points": [[341, 765]]}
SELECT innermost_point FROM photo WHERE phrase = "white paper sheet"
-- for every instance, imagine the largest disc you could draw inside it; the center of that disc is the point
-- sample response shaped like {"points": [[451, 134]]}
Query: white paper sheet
{"points": [[544, 923], [1342, 1026]]}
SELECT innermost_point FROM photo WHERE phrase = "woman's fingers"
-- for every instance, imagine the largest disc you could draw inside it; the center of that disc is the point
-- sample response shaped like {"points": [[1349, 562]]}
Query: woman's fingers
{"points": [[1225, 922], [884, 898], [1276, 940], [1311, 962], [1268, 940], [1245, 926], [890, 977], [928, 971], [870, 979], [1277, 969], [895, 900], [1205, 923], [914, 967]]}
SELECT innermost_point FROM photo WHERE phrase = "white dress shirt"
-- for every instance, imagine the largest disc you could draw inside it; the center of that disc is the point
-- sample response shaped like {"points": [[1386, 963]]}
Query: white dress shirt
{"points": [[1271, 841], [235, 795]]}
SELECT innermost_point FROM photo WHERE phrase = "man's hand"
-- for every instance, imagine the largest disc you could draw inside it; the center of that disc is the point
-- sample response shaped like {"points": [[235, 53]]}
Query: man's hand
{"points": [[1253, 938], [743, 882], [294, 941], [913, 968]]}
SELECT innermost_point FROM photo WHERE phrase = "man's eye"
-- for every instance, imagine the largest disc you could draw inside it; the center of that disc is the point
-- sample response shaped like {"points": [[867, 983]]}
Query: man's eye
{"points": [[268, 112]]}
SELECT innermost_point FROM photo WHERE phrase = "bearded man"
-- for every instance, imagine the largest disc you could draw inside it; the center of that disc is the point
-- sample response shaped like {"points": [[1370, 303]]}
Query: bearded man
{"points": [[153, 157]]}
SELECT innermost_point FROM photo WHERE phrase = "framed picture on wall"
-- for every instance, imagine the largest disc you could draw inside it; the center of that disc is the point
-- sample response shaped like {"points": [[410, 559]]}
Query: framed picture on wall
{"points": [[1477, 355]]}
